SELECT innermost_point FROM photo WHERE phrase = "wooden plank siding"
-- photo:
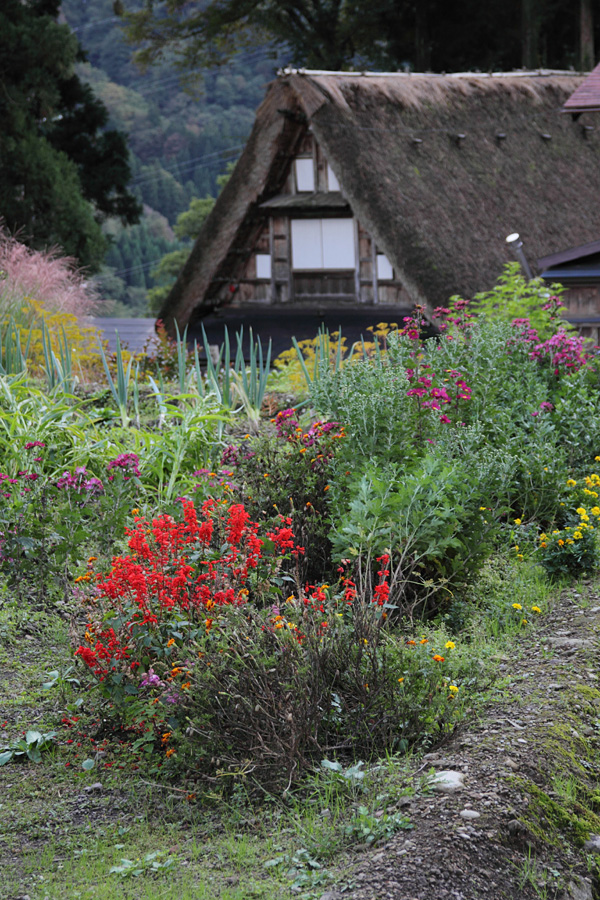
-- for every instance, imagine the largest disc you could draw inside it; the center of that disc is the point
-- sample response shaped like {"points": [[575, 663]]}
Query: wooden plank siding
{"points": [[320, 288]]}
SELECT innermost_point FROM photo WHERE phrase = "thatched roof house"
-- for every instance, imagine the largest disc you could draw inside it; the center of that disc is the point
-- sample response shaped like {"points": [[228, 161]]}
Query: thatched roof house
{"points": [[371, 192]]}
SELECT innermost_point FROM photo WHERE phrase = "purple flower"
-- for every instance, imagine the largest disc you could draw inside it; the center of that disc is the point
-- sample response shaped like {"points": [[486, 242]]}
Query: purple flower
{"points": [[94, 487], [127, 463], [76, 481], [231, 455], [151, 679]]}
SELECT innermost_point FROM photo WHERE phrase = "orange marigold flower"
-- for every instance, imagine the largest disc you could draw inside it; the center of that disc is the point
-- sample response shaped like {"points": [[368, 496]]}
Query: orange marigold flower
{"points": [[411, 643], [438, 658], [170, 752], [170, 642]]}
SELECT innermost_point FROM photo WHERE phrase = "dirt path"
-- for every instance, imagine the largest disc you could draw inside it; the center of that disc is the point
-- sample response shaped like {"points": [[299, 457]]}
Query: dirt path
{"points": [[531, 783]]}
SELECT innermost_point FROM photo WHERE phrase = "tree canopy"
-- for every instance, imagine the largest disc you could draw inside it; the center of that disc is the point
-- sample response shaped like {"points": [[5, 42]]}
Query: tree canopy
{"points": [[438, 35], [62, 171]]}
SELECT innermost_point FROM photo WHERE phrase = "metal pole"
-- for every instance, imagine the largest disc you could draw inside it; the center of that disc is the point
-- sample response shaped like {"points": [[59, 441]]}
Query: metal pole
{"points": [[517, 245]]}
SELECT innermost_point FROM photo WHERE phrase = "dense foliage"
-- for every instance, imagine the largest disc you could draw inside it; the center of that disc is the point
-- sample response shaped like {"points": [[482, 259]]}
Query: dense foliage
{"points": [[180, 140], [62, 171], [259, 595], [338, 34]]}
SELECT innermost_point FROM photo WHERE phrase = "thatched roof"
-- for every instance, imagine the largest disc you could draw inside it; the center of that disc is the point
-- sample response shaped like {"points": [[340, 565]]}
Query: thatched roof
{"points": [[438, 168]]}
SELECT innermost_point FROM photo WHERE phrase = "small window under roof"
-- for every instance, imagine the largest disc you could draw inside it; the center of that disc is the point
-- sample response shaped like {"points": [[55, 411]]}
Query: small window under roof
{"points": [[305, 174], [263, 265], [385, 271], [332, 182]]}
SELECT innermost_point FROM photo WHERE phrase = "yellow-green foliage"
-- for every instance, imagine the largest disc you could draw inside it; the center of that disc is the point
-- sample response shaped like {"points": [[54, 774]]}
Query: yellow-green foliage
{"points": [[82, 339], [287, 371]]}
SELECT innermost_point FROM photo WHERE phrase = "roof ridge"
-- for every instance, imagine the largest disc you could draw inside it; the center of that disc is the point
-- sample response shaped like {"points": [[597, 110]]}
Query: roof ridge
{"points": [[515, 73]]}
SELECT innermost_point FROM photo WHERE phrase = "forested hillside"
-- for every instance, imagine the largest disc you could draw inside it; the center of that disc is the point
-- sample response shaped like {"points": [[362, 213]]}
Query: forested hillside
{"points": [[180, 141]]}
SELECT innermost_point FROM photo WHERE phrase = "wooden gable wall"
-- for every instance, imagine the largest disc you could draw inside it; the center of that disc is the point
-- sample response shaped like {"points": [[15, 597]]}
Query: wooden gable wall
{"points": [[322, 288]]}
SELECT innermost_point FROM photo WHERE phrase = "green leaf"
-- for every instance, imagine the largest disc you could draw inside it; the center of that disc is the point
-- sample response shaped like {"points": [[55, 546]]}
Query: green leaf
{"points": [[333, 766], [32, 737], [87, 764], [6, 757]]}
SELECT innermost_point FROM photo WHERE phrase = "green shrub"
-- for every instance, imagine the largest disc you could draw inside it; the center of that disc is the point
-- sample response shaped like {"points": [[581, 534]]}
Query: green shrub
{"points": [[436, 523], [285, 470], [182, 640]]}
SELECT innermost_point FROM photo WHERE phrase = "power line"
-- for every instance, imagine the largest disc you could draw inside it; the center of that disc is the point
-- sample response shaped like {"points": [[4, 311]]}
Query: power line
{"points": [[137, 268], [190, 163], [92, 24]]}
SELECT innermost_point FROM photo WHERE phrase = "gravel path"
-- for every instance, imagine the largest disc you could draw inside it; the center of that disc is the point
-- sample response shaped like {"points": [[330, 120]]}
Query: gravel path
{"points": [[491, 838]]}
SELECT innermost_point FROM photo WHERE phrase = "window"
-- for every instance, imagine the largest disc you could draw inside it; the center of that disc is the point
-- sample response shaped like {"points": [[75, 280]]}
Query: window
{"points": [[263, 265], [385, 272], [305, 174], [332, 182], [323, 244]]}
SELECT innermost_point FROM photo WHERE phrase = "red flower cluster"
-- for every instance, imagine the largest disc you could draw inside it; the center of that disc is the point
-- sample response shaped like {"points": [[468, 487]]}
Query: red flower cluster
{"points": [[382, 590], [160, 573], [203, 561], [283, 537], [107, 650]]}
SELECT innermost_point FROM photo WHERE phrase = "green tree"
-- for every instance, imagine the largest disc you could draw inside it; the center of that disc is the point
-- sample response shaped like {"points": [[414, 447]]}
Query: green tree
{"points": [[319, 33], [61, 172], [187, 228], [441, 35]]}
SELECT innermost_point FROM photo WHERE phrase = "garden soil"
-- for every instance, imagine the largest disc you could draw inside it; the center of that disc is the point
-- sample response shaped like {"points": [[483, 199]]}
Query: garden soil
{"points": [[516, 827]]}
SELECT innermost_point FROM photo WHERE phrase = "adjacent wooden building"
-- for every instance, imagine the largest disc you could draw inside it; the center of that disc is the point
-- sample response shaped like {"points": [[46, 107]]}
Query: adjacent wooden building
{"points": [[358, 195]]}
